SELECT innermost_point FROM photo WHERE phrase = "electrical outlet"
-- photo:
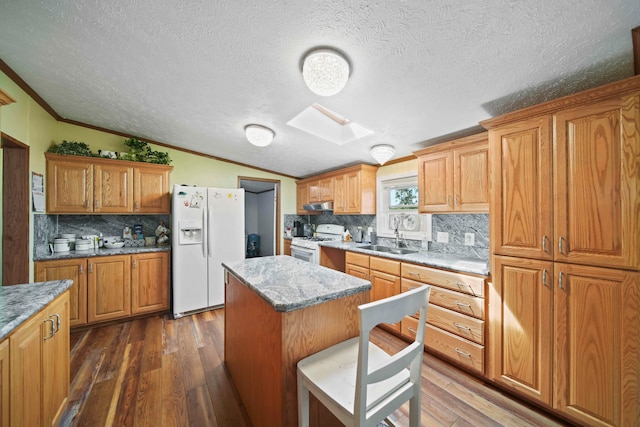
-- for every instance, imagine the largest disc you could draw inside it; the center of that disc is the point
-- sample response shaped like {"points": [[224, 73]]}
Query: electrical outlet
{"points": [[469, 239], [442, 237]]}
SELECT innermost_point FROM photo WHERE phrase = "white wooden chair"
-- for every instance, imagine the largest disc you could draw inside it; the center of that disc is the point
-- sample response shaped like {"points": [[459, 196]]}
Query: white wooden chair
{"points": [[358, 381]]}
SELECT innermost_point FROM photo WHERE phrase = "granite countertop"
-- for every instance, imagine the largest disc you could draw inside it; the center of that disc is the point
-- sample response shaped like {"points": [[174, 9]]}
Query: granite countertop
{"points": [[48, 256], [431, 259], [288, 284], [18, 303]]}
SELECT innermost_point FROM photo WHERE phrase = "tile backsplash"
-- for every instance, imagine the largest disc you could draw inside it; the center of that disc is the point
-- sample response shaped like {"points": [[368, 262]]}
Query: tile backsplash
{"points": [[455, 225], [47, 227]]}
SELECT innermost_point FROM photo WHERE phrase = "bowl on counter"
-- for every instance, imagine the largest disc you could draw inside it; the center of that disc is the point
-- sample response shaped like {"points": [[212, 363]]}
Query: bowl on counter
{"points": [[113, 245], [83, 245]]}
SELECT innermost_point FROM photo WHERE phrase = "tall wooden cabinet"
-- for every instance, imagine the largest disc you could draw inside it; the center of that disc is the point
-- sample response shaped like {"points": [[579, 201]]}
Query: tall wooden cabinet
{"points": [[564, 218], [454, 176], [77, 184]]}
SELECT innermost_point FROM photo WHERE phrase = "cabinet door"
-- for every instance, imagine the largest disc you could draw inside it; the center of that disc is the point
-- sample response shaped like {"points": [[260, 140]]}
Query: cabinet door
{"points": [[597, 344], [109, 288], [4, 383], [69, 186], [357, 271], [339, 194], [384, 285], [149, 282], [521, 183], [151, 190], [521, 326], [287, 247], [354, 194], [302, 197], [471, 178], [596, 184], [326, 189], [435, 182], [313, 187], [25, 348], [55, 361], [74, 269], [113, 188]]}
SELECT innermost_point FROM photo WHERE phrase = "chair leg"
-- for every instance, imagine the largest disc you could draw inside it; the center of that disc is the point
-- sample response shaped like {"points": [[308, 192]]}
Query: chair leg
{"points": [[303, 403], [414, 411]]}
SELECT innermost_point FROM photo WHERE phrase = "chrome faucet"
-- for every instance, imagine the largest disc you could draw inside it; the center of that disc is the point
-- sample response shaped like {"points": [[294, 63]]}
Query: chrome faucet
{"points": [[400, 240]]}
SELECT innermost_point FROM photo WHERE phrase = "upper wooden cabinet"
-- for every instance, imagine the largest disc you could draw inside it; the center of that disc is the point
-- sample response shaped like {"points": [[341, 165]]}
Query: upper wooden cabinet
{"points": [[569, 192], [92, 185], [352, 190], [454, 176]]}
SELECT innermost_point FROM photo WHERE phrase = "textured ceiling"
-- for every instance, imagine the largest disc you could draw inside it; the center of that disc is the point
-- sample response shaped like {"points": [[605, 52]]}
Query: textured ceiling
{"points": [[193, 73]]}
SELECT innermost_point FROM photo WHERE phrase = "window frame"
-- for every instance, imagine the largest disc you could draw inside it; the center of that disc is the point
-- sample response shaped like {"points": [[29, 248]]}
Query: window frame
{"points": [[383, 212]]}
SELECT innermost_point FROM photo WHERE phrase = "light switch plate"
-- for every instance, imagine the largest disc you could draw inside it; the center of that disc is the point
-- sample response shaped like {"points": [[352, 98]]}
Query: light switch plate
{"points": [[469, 239], [442, 237]]}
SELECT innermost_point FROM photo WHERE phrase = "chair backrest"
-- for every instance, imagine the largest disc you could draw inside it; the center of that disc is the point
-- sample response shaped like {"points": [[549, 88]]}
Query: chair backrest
{"points": [[391, 310]]}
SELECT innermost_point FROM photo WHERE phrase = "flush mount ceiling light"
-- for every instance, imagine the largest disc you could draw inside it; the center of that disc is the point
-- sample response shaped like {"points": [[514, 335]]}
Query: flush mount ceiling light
{"points": [[325, 71], [258, 135], [382, 153]]}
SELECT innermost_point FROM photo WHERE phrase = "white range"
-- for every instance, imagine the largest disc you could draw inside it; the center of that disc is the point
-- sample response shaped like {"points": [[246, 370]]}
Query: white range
{"points": [[307, 248]]}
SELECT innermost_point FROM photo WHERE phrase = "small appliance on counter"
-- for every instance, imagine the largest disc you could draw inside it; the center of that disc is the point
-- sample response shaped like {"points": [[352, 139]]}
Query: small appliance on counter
{"points": [[298, 229]]}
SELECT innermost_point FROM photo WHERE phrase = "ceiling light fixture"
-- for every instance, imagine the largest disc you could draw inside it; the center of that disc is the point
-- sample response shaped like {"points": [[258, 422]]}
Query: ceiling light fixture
{"points": [[325, 71], [382, 153], [258, 135]]}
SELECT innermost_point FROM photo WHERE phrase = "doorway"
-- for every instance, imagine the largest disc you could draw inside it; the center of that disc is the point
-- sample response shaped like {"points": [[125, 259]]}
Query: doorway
{"points": [[262, 212], [15, 211]]}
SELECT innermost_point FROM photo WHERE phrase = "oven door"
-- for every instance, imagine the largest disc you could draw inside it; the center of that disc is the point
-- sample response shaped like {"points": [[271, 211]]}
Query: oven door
{"points": [[305, 254]]}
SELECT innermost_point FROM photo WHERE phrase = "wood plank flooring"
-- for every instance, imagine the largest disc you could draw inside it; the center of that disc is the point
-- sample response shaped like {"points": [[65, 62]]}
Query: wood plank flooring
{"points": [[162, 372]]}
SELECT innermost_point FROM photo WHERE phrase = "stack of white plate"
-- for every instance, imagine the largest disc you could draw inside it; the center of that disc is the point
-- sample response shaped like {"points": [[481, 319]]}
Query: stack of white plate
{"points": [[84, 244], [61, 245], [71, 238]]}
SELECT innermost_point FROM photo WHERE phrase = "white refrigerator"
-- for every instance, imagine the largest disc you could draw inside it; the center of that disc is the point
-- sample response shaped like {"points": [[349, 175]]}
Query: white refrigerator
{"points": [[208, 228]]}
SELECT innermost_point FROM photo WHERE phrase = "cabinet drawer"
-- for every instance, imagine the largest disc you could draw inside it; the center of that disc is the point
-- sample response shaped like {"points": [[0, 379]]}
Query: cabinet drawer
{"points": [[456, 301], [456, 323], [446, 279], [389, 266], [357, 259], [463, 352]]}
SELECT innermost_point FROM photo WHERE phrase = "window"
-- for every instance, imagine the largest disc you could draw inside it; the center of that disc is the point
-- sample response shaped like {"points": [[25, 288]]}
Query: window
{"points": [[398, 208]]}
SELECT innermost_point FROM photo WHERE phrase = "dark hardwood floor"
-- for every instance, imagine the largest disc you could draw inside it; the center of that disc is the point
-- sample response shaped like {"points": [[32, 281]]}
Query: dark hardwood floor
{"points": [[162, 372]]}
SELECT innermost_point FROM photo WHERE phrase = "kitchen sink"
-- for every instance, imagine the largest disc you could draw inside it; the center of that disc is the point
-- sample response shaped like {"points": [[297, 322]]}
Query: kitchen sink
{"points": [[387, 249]]}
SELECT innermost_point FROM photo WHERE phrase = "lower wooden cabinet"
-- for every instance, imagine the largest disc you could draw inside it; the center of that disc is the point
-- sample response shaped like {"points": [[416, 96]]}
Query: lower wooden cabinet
{"points": [[287, 247], [149, 282], [39, 360], [4, 383], [74, 269], [111, 287]]}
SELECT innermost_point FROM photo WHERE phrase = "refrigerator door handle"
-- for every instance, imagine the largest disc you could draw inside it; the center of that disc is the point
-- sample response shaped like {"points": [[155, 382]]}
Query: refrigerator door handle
{"points": [[209, 220], [205, 236]]}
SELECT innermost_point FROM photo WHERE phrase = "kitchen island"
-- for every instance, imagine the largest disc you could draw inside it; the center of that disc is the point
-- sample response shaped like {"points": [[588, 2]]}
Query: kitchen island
{"points": [[279, 310]]}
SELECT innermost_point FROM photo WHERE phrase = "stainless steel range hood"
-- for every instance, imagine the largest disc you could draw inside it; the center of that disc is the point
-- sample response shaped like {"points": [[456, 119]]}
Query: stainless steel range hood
{"points": [[324, 206]]}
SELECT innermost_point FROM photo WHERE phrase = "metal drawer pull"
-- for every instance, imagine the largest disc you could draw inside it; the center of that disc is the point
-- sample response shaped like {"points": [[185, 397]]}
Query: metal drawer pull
{"points": [[560, 245], [90, 268], [544, 243], [137, 205], [544, 277], [57, 321], [413, 273], [461, 304], [412, 330], [448, 200], [459, 326], [81, 269], [561, 280], [465, 285], [96, 204], [52, 329], [135, 263], [463, 353], [457, 201], [87, 203]]}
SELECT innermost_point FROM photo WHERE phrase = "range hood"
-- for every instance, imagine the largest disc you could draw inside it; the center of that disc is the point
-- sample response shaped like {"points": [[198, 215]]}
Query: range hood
{"points": [[324, 206]]}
